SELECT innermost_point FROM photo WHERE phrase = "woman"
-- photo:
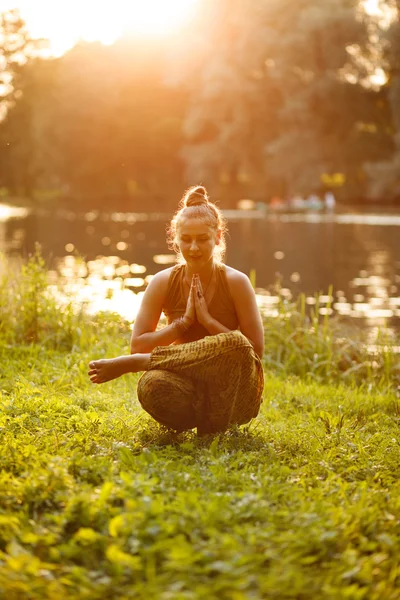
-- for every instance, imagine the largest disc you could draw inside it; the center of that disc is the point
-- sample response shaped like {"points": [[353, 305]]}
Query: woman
{"points": [[200, 370]]}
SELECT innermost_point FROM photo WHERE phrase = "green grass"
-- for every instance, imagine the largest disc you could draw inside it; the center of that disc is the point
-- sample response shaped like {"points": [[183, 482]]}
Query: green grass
{"points": [[99, 502]]}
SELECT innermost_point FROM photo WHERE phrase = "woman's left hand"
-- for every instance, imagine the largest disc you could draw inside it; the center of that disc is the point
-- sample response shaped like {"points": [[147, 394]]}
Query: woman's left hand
{"points": [[203, 316]]}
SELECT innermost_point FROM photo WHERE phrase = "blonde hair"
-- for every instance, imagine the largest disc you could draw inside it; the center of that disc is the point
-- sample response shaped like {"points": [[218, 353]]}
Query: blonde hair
{"points": [[195, 204]]}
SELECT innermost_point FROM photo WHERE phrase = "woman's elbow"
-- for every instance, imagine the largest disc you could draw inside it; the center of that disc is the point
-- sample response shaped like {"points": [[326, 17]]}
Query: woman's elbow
{"points": [[259, 350], [258, 347], [135, 346]]}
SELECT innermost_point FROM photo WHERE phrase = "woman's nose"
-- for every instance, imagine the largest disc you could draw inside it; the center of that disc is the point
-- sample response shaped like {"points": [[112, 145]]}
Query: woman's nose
{"points": [[193, 245]]}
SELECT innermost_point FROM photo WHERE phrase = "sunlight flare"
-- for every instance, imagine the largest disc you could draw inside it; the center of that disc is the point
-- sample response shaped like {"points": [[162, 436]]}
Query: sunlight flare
{"points": [[64, 24]]}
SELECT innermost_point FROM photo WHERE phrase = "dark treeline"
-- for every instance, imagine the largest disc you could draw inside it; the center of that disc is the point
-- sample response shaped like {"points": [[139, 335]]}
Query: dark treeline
{"points": [[272, 97]]}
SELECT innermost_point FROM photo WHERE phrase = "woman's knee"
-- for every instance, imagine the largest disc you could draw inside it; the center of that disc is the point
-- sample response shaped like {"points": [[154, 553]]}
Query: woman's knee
{"points": [[236, 340], [145, 386], [151, 390], [239, 347], [168, 398]]}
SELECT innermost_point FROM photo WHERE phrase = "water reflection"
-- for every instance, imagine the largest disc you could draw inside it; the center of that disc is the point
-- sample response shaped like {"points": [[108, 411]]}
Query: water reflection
{"points": [[377, 283], [7, 212], [104, 284], [107, 284], [358, 255]]}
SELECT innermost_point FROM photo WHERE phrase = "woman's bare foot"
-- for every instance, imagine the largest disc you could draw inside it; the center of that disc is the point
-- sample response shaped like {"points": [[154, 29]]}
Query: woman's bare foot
{"points": [[107, 369]]}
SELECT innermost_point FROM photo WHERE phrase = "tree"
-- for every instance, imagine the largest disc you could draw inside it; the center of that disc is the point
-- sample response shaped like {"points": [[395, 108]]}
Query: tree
{"points": [[275, 100], [384, 175], [16, 46], [17, 49], [96, 127], [28, 154]]}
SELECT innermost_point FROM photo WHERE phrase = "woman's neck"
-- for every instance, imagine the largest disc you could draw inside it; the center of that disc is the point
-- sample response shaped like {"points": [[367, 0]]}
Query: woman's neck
{"points": [[204, 273]]}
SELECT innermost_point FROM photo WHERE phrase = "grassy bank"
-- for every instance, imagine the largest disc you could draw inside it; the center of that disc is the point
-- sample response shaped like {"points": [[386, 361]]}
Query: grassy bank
{"points": [[96, 501]]}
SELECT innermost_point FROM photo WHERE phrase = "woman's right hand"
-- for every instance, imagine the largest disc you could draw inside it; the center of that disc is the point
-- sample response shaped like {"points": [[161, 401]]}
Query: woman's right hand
{"points": [[190, 313]]}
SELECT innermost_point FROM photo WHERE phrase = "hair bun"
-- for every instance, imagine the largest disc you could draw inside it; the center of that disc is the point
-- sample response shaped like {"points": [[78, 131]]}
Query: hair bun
{"points": [[195, 196]]}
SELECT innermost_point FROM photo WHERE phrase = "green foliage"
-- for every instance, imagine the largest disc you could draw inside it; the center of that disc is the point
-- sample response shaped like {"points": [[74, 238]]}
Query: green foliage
{"points": [[30, 311], [296, 342], [299, 342], [98, 502]]}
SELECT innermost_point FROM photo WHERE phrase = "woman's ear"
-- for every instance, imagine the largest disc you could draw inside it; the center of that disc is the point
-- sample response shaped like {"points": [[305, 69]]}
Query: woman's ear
{"points": [[218, 237]]}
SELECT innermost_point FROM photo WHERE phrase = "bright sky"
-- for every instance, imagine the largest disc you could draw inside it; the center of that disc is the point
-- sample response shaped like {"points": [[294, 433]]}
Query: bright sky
{"points": [[64, 23], [372, 7], [378, 9]]}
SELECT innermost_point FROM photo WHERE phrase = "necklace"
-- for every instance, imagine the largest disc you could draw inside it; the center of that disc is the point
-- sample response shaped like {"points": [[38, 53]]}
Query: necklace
{"points": [[208, 284]]}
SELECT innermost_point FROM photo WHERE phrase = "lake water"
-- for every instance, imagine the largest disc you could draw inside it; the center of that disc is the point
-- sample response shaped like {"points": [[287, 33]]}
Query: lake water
{"points": [[356, 253]]}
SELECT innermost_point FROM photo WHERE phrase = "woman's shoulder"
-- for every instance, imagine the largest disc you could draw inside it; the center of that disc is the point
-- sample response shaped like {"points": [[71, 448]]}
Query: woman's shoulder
{"points": [[234, 276], [162, 278], [238, 281], [165, 273]]}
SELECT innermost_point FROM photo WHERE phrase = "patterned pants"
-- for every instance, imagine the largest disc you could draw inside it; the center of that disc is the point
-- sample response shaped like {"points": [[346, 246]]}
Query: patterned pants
{"points": [[210, 384]]}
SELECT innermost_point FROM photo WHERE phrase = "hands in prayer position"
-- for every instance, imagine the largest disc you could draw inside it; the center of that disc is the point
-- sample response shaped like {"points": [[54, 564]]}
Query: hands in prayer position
{"points": [[196, 307]]}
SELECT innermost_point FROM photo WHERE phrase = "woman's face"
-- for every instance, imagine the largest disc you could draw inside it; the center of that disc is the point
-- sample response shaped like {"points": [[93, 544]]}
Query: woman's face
{"points": [[196, 241]]}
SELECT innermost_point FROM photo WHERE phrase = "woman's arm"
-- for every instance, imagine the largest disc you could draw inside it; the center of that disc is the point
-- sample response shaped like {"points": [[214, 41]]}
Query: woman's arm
{"points": [[213, 326], [144, 335], [146, 342], [244, 298], [203, 316]]}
